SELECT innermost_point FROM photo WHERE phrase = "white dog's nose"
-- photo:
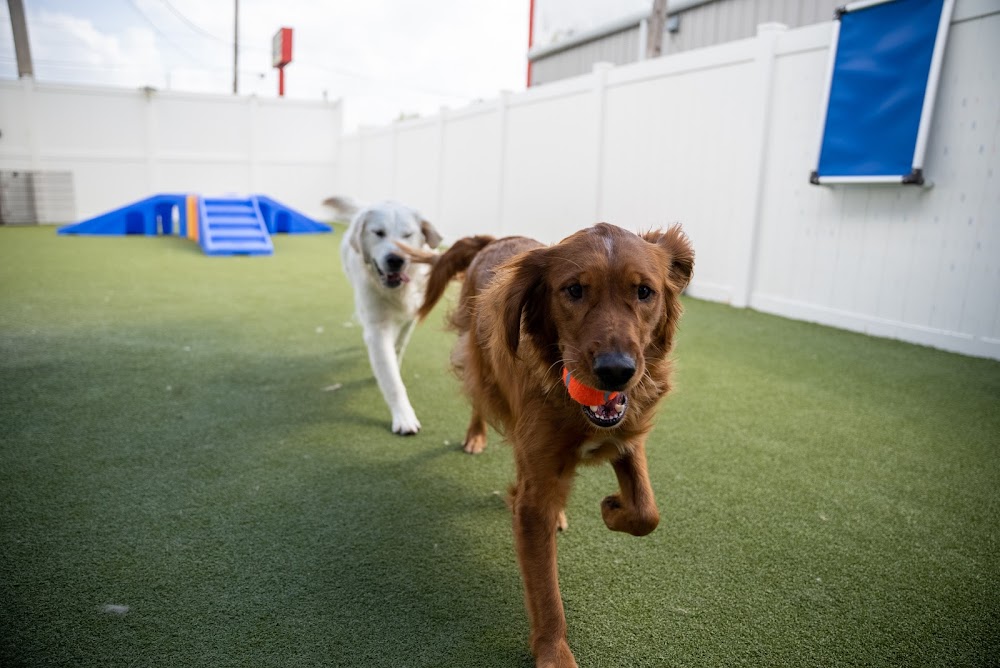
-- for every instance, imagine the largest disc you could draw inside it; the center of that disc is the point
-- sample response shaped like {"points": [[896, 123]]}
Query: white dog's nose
{"points": [[394, 262]]}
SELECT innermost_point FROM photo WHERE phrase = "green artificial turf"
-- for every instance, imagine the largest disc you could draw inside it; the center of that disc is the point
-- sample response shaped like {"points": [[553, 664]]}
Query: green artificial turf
{"points": [[200, 439]]}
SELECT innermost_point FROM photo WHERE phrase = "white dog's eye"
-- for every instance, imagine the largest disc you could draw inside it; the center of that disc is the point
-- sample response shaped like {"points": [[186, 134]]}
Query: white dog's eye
{"points": [[408, 235], [379, 233]]}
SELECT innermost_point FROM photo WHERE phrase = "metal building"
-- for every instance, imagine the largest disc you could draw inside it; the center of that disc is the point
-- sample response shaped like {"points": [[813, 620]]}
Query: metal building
{"points": [[691, 24]]}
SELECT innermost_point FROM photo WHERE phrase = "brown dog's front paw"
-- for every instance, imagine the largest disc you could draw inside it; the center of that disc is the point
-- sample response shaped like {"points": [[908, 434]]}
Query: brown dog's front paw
{"points": [[556, 656], [474, 444], [619, 518], [611, 511]]}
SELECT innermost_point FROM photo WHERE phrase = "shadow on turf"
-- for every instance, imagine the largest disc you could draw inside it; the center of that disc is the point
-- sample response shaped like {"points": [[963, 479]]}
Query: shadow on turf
{"points": [[249, 499], [400, 583], [400, 578]]}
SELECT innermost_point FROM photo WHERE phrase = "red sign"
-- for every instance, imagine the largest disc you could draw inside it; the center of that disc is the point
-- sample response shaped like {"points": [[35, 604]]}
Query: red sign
{"points": [[281, 47]]}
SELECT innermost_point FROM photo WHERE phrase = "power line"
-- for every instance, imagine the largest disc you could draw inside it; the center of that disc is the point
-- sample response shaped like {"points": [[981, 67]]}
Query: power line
{"points": [[340, 71], [70, 64], [337, 71], [162, 34], [210, 35], [191, 24], [333, 70]]}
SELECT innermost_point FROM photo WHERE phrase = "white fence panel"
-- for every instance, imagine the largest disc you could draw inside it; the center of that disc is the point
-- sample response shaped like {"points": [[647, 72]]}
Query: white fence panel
{"points": [[197, 127], [675, 151], [968, 156], [349, 175], [295, 132], [416, 173], [471, 173], [124, 145], [378, 156], [909, 263], [77, 121], [550, 166]]}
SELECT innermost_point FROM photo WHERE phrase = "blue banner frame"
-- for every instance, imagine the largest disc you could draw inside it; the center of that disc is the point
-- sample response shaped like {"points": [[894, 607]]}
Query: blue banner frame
{"points": [[884, 68]]}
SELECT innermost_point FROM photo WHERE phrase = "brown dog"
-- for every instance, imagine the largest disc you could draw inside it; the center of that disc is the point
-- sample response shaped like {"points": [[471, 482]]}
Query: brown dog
{"points": [[602, 304]]}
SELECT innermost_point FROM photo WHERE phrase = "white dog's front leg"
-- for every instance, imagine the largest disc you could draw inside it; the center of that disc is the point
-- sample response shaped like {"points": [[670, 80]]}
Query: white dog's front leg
{"points": [[382, 355], [405, 332]]}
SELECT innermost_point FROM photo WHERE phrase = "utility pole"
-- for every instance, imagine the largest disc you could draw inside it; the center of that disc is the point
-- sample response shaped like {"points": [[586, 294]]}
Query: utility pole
{"points": [[236, 48], [22, 49], [531, 37], [657, 22]]}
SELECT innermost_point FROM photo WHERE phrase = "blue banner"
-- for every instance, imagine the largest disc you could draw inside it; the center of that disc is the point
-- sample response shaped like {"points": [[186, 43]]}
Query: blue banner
{"points": [[879, 80]]}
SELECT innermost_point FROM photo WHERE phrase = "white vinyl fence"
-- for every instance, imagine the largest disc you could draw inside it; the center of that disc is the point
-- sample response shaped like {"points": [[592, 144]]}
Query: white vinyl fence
{"points": [[123, 145], [723, 140]]}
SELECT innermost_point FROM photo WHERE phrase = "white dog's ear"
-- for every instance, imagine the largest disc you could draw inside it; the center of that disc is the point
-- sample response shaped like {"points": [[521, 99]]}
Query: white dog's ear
{"points": [[359, 229], [431, 235]]}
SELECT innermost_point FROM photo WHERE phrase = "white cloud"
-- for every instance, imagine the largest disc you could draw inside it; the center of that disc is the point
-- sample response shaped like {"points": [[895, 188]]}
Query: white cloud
{"points": [[382, 57], [70, 48]]}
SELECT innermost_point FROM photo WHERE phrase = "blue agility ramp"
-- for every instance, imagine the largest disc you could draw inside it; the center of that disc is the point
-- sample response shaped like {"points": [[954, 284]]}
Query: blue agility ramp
{"points": [[280, 219], [221, 225], [233, 226]]}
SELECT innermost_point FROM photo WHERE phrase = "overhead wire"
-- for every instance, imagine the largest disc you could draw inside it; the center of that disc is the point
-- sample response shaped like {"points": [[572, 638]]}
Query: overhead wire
{"points": [[206, 34], [191, 24], [162, 34], [70, 64], [340, 71]]}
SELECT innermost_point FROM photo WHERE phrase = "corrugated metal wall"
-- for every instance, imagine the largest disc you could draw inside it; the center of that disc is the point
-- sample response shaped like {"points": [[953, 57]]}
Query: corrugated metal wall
{"points": [[704, 25], [621, 48]]}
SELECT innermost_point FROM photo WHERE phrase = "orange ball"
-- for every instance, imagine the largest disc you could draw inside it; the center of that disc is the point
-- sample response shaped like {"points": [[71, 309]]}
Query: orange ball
{"points": [[584, 394]]}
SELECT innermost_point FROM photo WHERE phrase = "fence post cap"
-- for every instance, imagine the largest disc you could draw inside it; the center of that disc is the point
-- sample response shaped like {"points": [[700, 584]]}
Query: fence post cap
{"points": [[769, 28]]}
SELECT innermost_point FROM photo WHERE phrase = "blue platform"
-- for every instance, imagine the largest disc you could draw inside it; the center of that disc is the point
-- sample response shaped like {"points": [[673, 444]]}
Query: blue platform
{"points": [[151, 216], [221, 225]]}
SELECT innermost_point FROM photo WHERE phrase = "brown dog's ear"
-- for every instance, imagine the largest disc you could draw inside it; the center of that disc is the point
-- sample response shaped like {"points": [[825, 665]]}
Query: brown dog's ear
{"points": [[431, 235], [524, 292], [681, 257], [678, 246]]}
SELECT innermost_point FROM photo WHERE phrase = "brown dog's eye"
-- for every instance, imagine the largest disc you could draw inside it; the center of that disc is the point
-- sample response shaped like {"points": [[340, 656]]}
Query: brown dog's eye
{"points": [[644, 292], [575, 291]]}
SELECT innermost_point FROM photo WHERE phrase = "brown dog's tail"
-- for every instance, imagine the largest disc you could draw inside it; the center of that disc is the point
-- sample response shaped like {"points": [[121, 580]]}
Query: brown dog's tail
{"points": [[447, 266]]}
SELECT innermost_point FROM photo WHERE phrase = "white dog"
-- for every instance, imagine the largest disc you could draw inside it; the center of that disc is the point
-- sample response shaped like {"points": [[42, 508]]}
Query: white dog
{"points": [[388, 290]]}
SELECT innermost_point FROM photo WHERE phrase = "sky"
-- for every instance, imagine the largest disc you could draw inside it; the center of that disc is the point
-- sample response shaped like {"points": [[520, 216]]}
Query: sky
{"points": [[384, 59]]}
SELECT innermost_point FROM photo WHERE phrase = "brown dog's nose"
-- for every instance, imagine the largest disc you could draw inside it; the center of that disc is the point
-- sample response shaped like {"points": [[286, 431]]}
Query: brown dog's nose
{"points": [[613, 370]]}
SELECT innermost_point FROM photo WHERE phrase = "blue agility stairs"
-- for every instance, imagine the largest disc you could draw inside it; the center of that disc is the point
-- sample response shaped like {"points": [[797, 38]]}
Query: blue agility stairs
{"points": [[221, 225]]}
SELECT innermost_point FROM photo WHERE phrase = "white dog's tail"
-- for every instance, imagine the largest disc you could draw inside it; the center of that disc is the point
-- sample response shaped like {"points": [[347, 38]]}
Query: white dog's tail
{"points": [[344, 206]]}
